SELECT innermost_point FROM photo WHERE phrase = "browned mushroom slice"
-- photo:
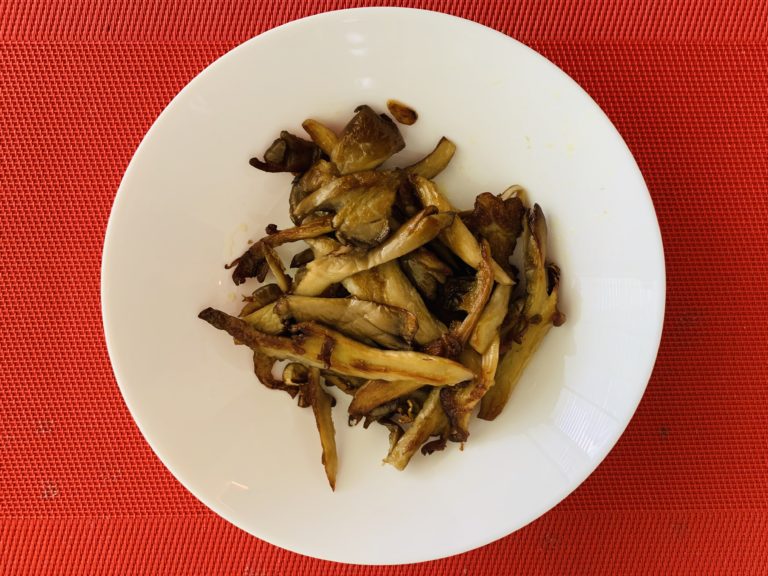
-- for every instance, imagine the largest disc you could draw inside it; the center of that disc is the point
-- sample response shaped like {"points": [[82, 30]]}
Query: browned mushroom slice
{"points": [[388, 285], [276, 267], [540, 313], [491, 319], [500, 222], [367, 141], [317, 346], [395, 432], [476, 300], [402, 112], [302, 258], [459, 401], [321, 404], [434, 162], [321, 135], [265, 320], [374, 393], [337, 192], [457, 236], [430, 421], [426, 271], [346, 384], [321, 173], [253, 261], [262, 296], [262, 366], [335, 267], [365, 219], [288, 153], [368, 322]]}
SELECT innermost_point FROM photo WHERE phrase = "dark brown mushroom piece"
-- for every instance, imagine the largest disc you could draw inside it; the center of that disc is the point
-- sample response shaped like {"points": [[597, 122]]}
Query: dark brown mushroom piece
{"points": [[254, 262], [500, 222], [402, 112], [426, 271], [288, 153]]}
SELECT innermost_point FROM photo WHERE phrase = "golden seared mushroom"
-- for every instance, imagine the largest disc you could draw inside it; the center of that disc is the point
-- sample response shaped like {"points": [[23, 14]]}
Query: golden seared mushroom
{"points": [[395, 432], [362, 203], [276, 267], [335, 267], [365, 219], [337, 192], [367, 141], [324, 137], [459, 401], [491, 318], [321, 403], [321, 173], [374, 393], [260, 297], [320, 347], [434, 162], [265, 320], [426, 271], [402, 112], [253, 261], [369, 322], [477, 298], [457, 236], [288, 153], [387, 284], [430, 421], [539, 312]]}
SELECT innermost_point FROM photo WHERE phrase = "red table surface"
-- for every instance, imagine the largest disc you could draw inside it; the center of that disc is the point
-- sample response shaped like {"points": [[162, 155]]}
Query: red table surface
{"points": [[685, 489]]}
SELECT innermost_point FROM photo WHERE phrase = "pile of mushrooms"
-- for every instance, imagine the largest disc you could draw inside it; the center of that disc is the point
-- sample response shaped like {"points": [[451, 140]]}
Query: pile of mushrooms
{"points": [[401, 301]]}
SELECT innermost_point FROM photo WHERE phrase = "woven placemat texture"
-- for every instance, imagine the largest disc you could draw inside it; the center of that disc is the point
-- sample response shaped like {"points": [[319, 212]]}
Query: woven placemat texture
{"points": [[685, 489]]}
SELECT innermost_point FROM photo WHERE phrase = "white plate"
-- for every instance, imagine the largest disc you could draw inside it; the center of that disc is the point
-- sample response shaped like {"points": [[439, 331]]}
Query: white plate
{"points": [[189, 202]]}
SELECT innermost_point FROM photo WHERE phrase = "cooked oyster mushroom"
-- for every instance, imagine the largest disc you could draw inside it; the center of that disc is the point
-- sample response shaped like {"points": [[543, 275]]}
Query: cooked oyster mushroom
{"points": [[491, 319], [366, 142], [261, 297], [288, 153], [321, 404], [321, 173], [434, 162], [324, 137], [386, 284], [426, 271], [335, 267], [500, 222], [253, 261], [368, 322], [430, 421], [457, 237], [323, 348], [539, 312]]}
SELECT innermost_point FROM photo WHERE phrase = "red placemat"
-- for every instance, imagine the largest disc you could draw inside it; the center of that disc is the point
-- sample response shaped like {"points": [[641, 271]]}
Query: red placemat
{"points": [[684, 491]]}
